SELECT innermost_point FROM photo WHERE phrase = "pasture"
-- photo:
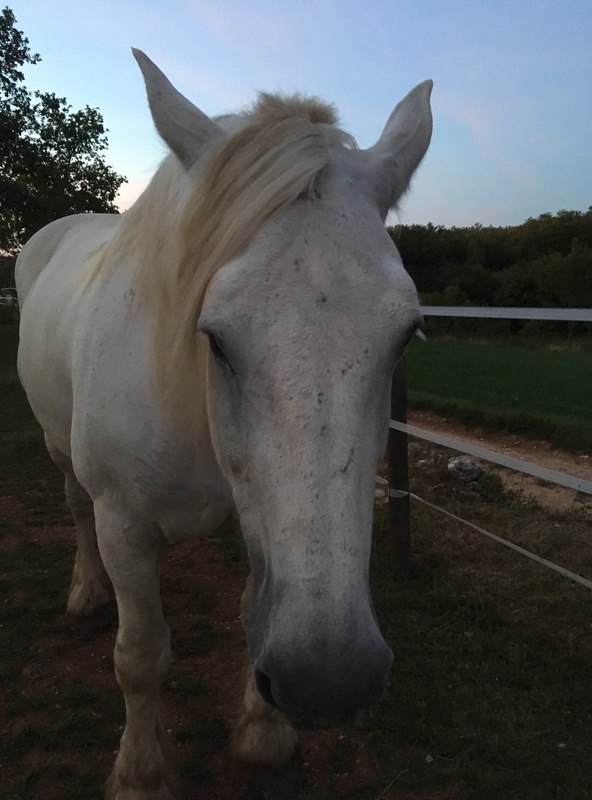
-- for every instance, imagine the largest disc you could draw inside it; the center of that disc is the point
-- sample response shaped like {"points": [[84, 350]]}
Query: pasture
{"points": [[490, 694], [539, 389]]}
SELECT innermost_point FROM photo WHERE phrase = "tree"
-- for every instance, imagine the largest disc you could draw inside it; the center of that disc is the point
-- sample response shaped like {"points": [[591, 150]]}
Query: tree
{"points": [[51, 161], [567, 280]]}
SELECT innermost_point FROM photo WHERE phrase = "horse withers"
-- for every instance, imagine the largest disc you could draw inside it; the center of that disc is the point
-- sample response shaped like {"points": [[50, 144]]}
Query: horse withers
{"points": [[228, 343]]}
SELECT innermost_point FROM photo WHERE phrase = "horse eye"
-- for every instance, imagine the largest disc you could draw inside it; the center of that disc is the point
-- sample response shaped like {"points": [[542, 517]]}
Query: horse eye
{"points": [[407, 339], [216, 349]]}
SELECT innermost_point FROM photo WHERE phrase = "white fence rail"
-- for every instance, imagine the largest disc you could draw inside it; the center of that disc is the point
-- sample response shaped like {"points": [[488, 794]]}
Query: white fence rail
{"points": [[545, 474], [484, 312]]}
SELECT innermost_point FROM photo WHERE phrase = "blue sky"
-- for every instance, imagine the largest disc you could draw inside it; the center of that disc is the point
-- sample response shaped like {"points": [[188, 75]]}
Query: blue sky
{"points": [[512, 98]]}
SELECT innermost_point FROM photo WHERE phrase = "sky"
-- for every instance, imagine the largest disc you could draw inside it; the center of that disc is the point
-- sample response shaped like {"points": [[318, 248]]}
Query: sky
{"points": [[512, 99]]}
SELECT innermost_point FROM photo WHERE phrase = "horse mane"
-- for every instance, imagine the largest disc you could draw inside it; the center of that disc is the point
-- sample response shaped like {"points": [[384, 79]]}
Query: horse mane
{"points": [[188, 224]]}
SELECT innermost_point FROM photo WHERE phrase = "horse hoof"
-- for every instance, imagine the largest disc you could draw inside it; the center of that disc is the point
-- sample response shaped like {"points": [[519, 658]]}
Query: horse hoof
{"points": [[94, 624], [115, 791], [274, 784]]}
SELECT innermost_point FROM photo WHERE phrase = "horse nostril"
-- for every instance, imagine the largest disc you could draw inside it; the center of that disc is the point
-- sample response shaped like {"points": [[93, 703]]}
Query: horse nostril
{"points": [[263, 683]]}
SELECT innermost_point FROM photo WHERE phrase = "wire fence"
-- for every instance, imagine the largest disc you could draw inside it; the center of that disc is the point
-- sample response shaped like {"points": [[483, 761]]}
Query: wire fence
{"points": [[397, 453]]}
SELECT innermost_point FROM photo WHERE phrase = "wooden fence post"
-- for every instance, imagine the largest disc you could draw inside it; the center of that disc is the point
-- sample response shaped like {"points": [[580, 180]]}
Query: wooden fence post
{"points": [[398, 476]]}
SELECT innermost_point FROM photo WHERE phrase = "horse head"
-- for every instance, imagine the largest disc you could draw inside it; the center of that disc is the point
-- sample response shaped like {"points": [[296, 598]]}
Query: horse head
{"points": [[304, 313]]}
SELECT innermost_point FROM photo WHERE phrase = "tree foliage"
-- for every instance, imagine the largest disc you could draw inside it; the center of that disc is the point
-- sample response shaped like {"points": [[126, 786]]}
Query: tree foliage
{"points": [[51, 161], [545, 262]]}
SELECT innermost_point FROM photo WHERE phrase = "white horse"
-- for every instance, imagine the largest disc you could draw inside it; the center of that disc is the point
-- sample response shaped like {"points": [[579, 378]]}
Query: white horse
{"points": [[227, 343]]}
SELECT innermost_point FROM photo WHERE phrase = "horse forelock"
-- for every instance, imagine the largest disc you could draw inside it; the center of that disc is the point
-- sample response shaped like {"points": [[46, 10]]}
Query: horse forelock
{"points": [[313, 109], [187, 225], [271, 161]]}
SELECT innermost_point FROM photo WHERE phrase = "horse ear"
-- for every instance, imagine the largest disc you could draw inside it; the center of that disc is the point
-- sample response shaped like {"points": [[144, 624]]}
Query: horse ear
{"points": [[401, 147], [186, 129]]}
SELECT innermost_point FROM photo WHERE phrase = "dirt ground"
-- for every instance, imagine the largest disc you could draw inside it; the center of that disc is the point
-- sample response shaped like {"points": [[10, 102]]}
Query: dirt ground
{"points": [[536, 452]]}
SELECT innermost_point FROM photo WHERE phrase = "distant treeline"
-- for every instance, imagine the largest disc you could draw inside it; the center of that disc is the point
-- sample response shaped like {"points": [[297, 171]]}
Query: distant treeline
{"points": [[544, 262]]}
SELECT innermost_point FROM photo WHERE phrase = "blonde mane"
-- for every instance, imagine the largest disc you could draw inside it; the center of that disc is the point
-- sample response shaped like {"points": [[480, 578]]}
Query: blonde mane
{"points": [[187, 224]]}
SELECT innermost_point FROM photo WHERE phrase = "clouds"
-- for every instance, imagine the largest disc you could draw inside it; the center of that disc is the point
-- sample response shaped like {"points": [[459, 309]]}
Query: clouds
{"points": [[489, 133]]}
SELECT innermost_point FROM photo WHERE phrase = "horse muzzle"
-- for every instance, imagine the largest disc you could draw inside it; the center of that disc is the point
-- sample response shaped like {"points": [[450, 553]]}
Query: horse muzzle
{"points": [[316, 690]]}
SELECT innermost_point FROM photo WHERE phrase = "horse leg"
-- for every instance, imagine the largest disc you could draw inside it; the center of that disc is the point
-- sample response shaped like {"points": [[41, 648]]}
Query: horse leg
{"points": [[89, 597], [263, 736], [142, 654]]}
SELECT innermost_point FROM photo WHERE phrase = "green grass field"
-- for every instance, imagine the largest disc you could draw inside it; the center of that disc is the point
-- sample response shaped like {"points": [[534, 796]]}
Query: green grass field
{"points": [[533, 390], [491, 689]]}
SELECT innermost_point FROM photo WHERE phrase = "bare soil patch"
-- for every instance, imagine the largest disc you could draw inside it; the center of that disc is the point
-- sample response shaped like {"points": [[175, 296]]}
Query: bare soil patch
{"points": [[557, 498]]}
